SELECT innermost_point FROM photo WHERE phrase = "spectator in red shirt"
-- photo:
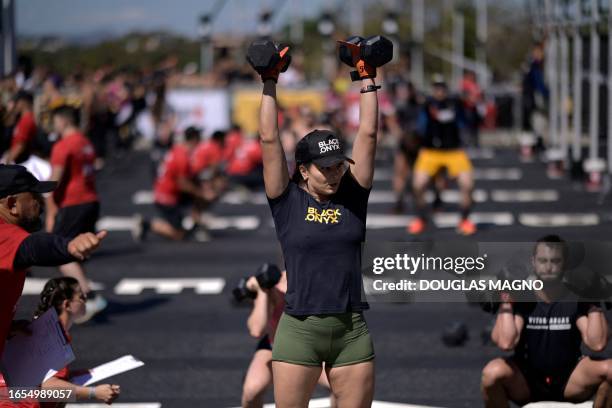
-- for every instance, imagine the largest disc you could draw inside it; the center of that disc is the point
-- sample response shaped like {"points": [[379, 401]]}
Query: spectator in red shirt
{"points": [[24, 133], [74, 208], [175, 188], [208, 164], [245, 166], [21, 204]]}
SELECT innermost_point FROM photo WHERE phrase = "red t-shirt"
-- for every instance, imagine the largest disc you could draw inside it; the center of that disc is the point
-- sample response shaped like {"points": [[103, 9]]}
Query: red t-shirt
{"points": [[207, 154], [76, 155], [233, 140], [245, 159], [25, 130], [11, 280], [175, 166]]}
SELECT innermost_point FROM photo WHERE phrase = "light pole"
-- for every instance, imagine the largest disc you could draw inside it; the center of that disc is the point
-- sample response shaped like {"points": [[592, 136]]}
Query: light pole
{"points": [[418, 36], [390, 27], [326, 28], [264, 27], [206, 51]]}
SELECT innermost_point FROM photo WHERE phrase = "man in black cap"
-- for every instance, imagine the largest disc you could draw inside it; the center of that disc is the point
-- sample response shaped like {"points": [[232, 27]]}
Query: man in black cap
{"points": [[21, 204]]}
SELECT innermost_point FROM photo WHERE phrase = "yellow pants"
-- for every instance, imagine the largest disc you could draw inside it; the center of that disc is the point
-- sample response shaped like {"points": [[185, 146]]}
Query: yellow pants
{"points": [[431, 161]]}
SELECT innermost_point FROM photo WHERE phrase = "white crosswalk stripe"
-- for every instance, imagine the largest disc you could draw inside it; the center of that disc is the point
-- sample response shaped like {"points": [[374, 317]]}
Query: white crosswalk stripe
{"points": [[485, 174], [243, 222], [33, 286], [388, 197], [170, 286], [446, 220], [559, 220]]}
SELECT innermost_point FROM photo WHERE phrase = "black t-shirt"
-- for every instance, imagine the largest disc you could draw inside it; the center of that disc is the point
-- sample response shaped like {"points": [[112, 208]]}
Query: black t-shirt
{"points": [[444, 119], [550, 340], [321, 245]]}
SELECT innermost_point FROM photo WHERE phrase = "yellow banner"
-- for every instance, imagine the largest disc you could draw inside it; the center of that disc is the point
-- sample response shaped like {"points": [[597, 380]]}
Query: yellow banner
{"points": [[245, 105]]}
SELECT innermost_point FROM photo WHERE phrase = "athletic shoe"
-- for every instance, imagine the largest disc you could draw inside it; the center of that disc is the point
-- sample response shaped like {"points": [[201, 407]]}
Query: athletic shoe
{"points": [[466, 227], [93, 306], [417, 226], [140, 228], [201, 235]]}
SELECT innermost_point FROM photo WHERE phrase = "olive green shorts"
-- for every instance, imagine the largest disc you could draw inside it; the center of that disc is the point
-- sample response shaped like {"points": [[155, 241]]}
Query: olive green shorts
{"points": [[338, 340]]}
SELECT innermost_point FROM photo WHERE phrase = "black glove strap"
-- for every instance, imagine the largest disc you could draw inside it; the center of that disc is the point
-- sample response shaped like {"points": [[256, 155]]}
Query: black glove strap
{"points": [[370, 88]]}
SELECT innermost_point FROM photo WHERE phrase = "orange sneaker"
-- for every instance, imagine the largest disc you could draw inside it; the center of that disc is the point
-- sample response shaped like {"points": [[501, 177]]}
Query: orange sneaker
{"points": [[466, 227], [417, 226]]}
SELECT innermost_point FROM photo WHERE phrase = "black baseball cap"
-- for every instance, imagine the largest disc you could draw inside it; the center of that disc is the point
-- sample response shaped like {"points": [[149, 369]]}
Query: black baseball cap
{"points": [[15, 179], [322, 148]]}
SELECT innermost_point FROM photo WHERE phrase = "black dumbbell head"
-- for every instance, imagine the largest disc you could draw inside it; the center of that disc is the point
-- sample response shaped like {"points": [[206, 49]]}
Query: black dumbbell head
{"points": [[262, 55], [377, 50], [345, 53], [268, 275]]}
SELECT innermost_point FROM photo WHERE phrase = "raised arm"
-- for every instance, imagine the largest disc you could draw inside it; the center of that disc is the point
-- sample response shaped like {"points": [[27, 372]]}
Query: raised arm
{"points": [[275, 172], [365, 55], [269, 60], [364, 147]]}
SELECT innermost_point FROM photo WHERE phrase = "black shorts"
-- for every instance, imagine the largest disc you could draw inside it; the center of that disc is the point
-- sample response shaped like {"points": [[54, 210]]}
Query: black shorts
{"points": [[173, 215], [264, 344], [409, 149], [76, 219], [545, 387]]}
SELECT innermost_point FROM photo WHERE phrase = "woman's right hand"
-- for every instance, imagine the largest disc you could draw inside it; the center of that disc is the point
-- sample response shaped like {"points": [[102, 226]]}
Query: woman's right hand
{"points": [[252, 284], [107, 393]]}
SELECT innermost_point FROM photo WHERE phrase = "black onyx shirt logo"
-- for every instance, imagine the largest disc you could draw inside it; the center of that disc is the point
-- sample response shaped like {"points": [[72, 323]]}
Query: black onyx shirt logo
{"points": [[329, 145], [328, 216]]}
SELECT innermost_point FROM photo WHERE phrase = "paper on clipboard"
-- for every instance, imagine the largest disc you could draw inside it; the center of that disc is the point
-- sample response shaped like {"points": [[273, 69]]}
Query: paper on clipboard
{"points": [[27, 359], [99, 373]]}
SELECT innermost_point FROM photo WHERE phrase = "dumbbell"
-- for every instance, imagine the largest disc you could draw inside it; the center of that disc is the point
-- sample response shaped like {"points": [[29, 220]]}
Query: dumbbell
{"points": [[267, 275], [376, 51], [265, 55], [455, 334]]}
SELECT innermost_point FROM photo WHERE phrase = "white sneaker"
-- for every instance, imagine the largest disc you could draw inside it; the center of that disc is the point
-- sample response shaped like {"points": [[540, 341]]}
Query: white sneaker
{"points": [[201, 235], [92, 307]]}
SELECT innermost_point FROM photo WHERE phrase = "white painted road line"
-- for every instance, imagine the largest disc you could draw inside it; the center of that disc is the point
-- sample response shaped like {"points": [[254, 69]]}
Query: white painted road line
{"points": [[33, 286], [247, 222], [448, 196], [445, 220], [480, 154], [451, 220], [524, 196], [171, 286], [388, 197], [559, 220], [486, 174]]}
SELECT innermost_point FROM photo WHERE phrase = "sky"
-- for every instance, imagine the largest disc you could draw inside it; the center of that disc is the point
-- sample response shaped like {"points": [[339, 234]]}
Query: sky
{"points": [[73, 17]]}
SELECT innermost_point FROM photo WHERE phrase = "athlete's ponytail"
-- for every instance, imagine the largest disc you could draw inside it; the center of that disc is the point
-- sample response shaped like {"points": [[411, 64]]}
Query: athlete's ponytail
{"points": [[56, 290]]}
